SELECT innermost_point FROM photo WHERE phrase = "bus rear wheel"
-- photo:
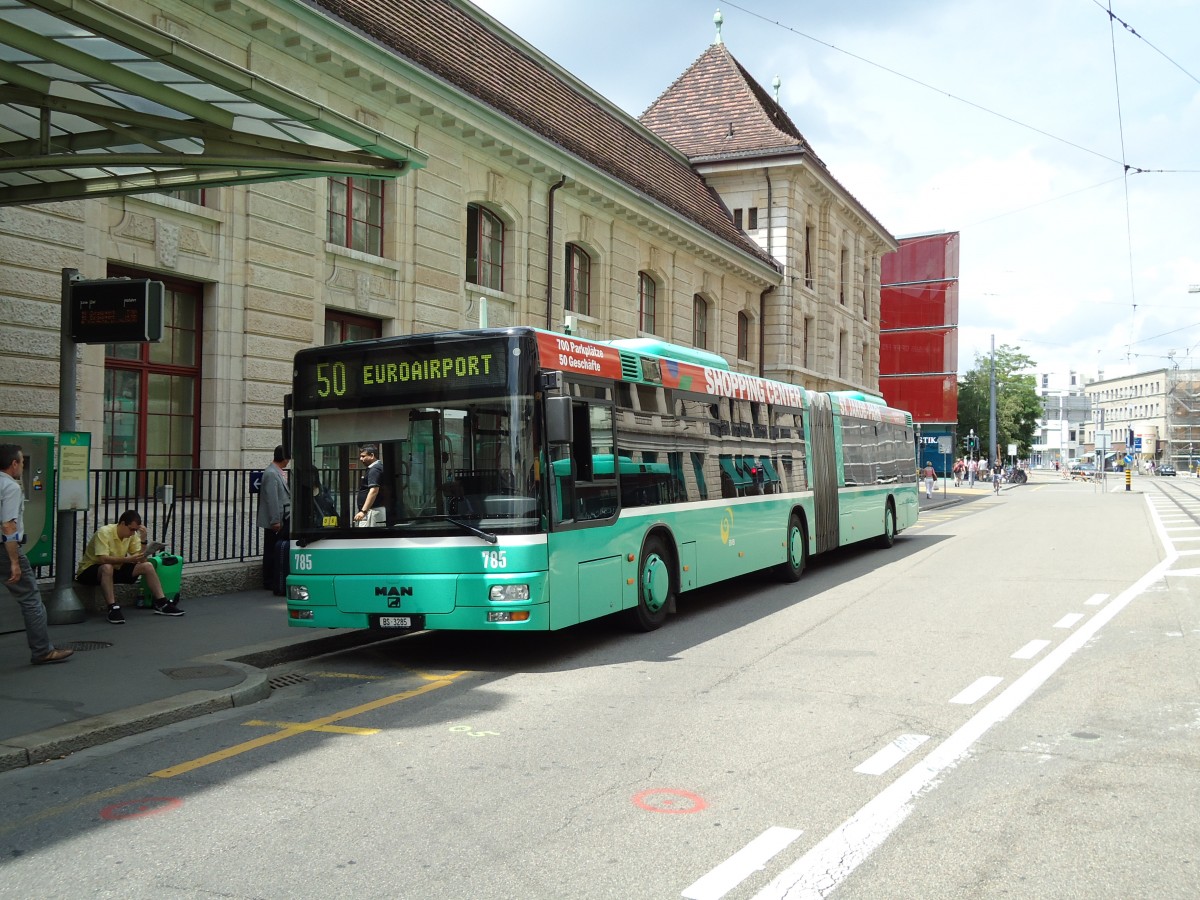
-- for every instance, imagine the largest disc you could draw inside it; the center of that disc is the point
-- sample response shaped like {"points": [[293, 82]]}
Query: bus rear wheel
{"points": [[796, 551], [888, 537], [656, 586]]}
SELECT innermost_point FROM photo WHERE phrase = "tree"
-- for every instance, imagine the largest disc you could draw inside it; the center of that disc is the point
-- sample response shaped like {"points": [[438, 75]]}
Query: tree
{"points": [[1017, 404]]}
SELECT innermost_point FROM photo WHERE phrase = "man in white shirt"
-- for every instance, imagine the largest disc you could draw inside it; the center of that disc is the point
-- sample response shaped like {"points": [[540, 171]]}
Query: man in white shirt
{"points": [[21, 583]]}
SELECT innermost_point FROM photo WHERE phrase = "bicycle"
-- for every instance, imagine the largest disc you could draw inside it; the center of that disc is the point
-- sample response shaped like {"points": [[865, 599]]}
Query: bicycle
{"points": [[996, 482]]}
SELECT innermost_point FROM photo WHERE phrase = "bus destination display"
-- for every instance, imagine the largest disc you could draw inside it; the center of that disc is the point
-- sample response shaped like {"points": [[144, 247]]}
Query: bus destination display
{"points": [[339, 380]]}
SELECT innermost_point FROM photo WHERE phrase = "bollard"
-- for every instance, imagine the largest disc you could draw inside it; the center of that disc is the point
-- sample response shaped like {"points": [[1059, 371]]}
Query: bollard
{"points": [[1128, 476]]}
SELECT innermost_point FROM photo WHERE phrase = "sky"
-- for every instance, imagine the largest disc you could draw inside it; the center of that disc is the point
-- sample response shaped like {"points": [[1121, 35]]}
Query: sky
{"points": [[1062, 143]]}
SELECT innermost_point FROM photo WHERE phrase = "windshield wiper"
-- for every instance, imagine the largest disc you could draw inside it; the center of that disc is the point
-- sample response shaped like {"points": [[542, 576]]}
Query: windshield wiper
{"points": [[478, 532]]}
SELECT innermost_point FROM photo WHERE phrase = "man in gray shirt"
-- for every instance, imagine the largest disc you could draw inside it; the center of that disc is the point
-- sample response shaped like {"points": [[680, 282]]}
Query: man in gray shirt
{"points": [[21, 583], [274, 514]]}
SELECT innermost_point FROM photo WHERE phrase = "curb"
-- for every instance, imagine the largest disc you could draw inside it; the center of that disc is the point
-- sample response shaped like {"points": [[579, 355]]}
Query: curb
{"points": [[63, 740]]}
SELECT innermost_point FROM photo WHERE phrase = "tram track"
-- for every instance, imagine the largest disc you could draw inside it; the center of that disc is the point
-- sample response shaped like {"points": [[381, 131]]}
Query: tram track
{"points": [[1179, 492], [1184, 500]]}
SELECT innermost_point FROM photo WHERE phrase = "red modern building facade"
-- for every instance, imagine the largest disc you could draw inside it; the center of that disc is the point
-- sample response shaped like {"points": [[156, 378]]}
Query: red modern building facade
{"points": [[918, 338]]}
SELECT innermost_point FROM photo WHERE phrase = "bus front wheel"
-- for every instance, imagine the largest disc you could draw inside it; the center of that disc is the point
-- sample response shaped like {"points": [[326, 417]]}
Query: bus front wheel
{"points": [[796, 551], [656, 588]]}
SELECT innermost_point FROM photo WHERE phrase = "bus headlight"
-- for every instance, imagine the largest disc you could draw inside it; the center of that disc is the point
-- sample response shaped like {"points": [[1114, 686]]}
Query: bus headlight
{"points": [[509, 592], [297, 592]]}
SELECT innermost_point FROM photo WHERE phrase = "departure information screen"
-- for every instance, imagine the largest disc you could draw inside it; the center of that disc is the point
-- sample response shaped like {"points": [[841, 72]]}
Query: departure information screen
{"points": [[376, 372]]}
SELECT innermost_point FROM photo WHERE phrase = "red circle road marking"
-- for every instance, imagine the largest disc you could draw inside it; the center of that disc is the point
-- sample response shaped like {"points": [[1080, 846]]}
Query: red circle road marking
{"points": [[135, 809], [669, 800]]}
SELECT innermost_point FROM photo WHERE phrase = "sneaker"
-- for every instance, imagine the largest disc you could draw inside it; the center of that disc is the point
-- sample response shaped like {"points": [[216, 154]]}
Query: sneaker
{"points": [[116, 616], [165, 607]]}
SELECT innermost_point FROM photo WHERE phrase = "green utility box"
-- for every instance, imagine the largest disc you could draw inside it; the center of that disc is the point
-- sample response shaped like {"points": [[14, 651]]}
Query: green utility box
{"points": [[37, 481]]}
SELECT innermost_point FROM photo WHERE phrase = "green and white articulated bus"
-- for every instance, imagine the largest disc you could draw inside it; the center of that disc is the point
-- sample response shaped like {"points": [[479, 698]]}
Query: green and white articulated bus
{"points": [[534, 480]]}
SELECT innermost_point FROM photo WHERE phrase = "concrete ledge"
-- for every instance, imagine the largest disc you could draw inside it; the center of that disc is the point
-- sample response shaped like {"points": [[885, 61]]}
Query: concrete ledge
{"points": [[62, 740], [202, 580]]}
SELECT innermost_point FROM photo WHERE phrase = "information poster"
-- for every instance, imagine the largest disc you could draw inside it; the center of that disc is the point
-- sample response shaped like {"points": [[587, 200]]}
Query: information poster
{"points": [[74, 462]]}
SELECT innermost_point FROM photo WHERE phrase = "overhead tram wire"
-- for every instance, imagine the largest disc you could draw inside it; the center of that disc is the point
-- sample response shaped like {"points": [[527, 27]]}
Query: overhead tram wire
{"points": [[1113, 17], [930, 87], [1128, 217]]}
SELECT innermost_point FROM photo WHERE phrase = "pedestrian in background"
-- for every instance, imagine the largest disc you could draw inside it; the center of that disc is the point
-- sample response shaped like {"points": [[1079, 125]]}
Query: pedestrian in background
{"points": [[274, 517], [959, 465], [117, 554], [972, 472], [21, 583], [929, 475]]}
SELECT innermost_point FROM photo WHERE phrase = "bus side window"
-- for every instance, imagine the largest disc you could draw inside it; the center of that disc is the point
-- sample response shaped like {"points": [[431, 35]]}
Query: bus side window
{"points": [[581, 449], [595, 484]]}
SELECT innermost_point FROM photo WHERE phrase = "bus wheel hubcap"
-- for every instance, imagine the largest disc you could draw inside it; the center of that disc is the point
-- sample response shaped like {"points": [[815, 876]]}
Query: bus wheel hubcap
{"points": [[655, 583], [796, 547]]}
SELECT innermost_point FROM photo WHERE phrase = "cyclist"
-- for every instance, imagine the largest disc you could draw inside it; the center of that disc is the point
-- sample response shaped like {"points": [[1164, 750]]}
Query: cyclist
{"points": [[997, 474]]}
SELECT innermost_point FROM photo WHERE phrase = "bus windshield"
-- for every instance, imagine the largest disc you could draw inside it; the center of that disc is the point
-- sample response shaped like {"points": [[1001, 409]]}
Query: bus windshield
{"points": [[454, 466]]}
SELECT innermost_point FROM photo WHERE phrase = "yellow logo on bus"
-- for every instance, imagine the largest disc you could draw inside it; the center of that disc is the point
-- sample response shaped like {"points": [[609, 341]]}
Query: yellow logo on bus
{"points": [[727, 525]]}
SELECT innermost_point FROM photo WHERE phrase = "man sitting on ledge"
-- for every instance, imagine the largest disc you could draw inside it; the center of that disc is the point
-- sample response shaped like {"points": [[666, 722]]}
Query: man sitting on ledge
{"points": [[115, 554]]}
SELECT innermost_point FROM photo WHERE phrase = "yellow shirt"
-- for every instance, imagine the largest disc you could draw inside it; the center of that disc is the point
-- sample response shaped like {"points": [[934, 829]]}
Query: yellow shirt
{"points": [[106, 542]]}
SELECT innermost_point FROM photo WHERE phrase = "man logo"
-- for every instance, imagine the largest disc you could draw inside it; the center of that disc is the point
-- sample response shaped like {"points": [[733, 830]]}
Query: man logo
{"points": [[393, 594]]}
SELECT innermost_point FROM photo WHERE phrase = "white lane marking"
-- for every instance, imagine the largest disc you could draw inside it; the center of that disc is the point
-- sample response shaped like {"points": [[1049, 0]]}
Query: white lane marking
{"points": [[750, 859], [1184, 572], [1030, 650], [822, 869], [977, 691], [891, 754], [1095, 599], [1069, 621]]}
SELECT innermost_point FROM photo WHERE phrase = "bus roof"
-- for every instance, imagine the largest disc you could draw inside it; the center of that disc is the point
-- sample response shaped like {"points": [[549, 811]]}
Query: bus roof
{"points": [[655, 347]]}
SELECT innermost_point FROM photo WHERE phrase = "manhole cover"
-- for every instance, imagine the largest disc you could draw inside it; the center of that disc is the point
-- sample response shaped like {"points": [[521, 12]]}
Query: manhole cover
{"points": [[84, 645], [281, 681], [185, 672]]}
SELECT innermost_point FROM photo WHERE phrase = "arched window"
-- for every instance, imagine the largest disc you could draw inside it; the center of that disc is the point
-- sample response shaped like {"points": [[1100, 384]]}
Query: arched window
{"points": [[844, 284], [699, 322], [647, 292], [579, 280], [743, 344], [485, 248]]}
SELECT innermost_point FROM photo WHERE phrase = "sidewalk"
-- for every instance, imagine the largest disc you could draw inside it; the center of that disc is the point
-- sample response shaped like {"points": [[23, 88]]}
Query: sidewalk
{"points": [[946, 494], [149, 672]]}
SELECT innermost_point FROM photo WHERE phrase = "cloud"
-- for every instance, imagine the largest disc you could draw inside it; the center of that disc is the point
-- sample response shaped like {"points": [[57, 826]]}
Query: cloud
{"points": [[1007, 123]]}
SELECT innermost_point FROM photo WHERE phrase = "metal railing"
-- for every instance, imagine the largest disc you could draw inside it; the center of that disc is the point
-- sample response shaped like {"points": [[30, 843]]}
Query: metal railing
{"points": [[204, 515]]}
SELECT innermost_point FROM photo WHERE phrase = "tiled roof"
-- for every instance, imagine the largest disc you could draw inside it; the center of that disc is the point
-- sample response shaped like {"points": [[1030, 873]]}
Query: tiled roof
{"points": [[443, 37], [716, 109]]}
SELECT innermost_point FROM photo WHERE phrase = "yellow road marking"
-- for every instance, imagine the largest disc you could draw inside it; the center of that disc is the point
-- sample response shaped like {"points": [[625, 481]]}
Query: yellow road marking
{"points": [[301, 728], [328, 729]]}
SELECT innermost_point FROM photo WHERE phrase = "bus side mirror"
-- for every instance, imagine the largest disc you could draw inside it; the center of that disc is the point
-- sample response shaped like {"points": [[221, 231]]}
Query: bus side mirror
{"points": [[558, 420]]}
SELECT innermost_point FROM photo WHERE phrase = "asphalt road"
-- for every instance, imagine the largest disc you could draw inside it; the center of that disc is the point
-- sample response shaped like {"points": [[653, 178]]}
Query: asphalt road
{"points": [[1004, 704]]}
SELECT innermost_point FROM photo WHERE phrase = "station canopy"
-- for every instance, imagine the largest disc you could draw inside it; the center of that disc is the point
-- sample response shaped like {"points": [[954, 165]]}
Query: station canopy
{"points": [[94, 103]]}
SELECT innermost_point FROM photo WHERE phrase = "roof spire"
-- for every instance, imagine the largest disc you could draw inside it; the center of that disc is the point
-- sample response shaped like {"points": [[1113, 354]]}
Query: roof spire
{"points": [[775, 82], [717, 21]]}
